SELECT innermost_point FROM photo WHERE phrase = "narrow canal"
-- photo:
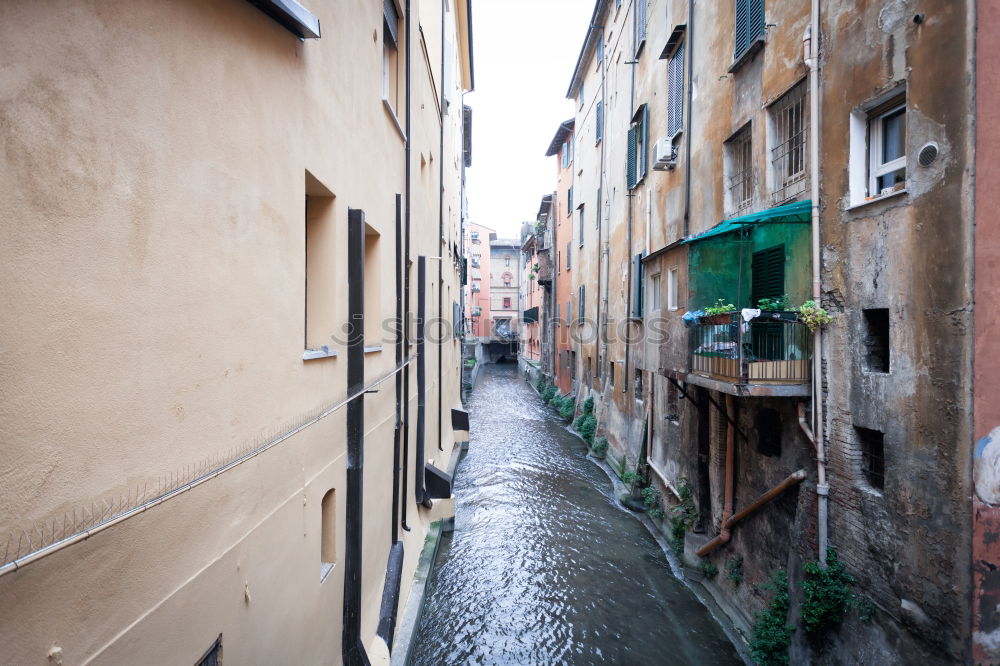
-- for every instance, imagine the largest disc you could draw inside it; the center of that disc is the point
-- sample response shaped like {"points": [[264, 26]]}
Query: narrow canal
{"points": [[544, 567]]}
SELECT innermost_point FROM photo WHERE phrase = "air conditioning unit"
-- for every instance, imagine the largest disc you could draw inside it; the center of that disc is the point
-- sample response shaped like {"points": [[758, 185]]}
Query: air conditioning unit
{"points": [[664, 155]]}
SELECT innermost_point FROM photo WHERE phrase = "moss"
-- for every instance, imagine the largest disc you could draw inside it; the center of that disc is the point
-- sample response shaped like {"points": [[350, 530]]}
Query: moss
{"points": [[771, 632], [826, 594]]}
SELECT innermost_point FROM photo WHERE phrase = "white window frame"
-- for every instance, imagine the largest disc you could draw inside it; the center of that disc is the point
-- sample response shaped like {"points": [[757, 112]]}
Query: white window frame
{"points": [[861, 181], [876, 167], [654, 292], [672, 289]]}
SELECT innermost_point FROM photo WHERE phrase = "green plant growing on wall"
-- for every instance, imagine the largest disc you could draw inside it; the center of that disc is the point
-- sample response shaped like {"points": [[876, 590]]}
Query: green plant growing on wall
{"points": [[682, 516], [588, 406], [708, 569], [734, 570], [567, 408], [630, 477], [771, 632], [470, 362], [813, 316], [826, 594], [531, 276], [586, 424], [600, 447], [540, 384], [548, 393], [774, 304], [720, 307], [534, 269], [651, 498]]}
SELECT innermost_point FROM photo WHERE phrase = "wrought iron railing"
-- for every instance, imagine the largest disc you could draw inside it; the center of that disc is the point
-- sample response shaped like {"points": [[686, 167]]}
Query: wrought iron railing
{"points": [[773, 348]]}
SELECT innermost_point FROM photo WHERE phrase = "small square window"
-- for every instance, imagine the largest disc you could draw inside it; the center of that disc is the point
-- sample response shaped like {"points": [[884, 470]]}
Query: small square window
{"points": [[872, 447], [877, 348]]}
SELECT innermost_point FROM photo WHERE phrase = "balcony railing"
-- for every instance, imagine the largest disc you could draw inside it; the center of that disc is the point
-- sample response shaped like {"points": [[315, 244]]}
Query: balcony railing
{"points": [[772, 348]]}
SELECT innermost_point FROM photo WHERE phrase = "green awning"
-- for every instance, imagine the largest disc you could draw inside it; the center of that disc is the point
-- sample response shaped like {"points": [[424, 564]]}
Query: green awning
{"points": [[798, 212]]}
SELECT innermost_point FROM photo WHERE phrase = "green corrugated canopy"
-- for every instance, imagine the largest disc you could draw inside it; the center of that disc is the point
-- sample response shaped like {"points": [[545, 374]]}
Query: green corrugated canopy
{"points": [[794, 213]]}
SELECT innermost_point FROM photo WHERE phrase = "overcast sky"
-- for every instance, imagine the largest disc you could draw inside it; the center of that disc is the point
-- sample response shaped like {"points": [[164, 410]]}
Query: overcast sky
{"points": [[525, 51]]}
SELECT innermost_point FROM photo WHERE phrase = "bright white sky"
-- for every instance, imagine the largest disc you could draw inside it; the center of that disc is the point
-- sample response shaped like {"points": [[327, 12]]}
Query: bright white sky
{"points": [[525, 51]]}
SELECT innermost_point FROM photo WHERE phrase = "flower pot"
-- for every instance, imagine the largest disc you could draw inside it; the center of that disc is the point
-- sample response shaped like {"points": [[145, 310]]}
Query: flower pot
{"points": [[724, 318]]}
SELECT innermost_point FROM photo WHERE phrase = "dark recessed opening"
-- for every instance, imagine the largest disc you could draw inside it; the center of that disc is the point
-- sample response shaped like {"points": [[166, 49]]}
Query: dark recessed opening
{"points": [[872, 445], [767, 424], [877, 340]]}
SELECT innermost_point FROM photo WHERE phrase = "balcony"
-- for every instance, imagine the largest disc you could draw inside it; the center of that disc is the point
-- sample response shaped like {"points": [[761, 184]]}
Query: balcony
{"points": [[768, 355]]}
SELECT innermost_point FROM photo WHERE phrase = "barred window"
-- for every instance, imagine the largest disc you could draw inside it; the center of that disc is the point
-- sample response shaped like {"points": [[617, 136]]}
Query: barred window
{"points": [[788, 156], [739, 159]]}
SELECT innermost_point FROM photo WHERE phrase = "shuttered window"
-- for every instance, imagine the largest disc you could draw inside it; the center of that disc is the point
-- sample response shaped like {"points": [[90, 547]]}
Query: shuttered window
{"points": [[641, 8], [569, 253], [749, 25], [600, 52], [675, 92], [636, 158], [582, 303], [569, 201], [580, 240], [767, 274], [599, 122], [637, 280]]}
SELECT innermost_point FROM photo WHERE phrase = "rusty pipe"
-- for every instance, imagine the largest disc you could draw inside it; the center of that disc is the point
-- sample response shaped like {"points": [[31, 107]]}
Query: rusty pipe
{"points": [[790, 480], [727, 509], [822, 488]]}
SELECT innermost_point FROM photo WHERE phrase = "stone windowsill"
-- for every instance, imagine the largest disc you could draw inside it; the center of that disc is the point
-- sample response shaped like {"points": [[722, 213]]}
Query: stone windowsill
{"points": [[317, 353]]}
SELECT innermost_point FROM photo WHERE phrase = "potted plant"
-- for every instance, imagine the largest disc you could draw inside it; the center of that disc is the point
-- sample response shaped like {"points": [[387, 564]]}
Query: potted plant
{"points": [[813, 316], [777, 308], [720, 313]]}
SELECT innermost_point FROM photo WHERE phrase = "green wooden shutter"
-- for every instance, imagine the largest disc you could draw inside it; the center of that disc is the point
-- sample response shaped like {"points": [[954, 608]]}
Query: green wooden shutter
{"points": [[640, 23], [675, 91], [740, 32], [755, 20], [767, 274], [582, 304], [637, 280], [644, 153], [630, 177]]}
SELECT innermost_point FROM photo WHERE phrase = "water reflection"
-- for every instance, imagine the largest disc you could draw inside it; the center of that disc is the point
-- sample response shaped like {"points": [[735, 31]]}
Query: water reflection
{"points": [[543, 566]]}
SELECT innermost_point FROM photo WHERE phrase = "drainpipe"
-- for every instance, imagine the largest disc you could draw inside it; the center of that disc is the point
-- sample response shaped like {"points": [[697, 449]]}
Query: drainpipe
{"points": [[440, 307], [822, 488], [406, 278], [397, 434], [601, 297], [727, 508], [418, 464], [626, 380], [689, 65]]}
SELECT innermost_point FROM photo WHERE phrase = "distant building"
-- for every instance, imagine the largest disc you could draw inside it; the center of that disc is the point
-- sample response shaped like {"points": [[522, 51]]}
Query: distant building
{"points": [[478, 306], [504, 288]]}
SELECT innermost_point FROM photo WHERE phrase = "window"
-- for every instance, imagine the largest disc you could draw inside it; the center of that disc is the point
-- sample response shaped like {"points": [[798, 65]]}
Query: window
{"points": [[789, 118], [887, 149], [558, 313], [506, 260], [600, 52], [739, 172], [767, 274], [580, 239], [328, 534], [597, 217], [637, 384], [373, 289], [654, 292], [320, 273], [675, 92], [212, 657], [599, 122], [565, 155], [872, 448], [558, 262], [569, 311], [877, 350], [767, 432], [572, 149], [580, 95], [611, 374], [673, 402], [581, 300], [637, 140], [506, 303], [569, 201], [641, 9], [569, 253], [637, 282], [390, 54], [507, 279], [672, 289], [475, 236], [877, 165], [749, 25]]}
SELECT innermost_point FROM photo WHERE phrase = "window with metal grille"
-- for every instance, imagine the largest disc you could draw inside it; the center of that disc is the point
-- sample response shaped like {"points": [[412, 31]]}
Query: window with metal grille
{"points": [[582, 302], [872, 448], [749, 25], [580, 239], [641, 11], [789, 116], [213, 657], [877, 350], [635, 168], [675, 92], [599, 122], [767, 432], [739, 158]]}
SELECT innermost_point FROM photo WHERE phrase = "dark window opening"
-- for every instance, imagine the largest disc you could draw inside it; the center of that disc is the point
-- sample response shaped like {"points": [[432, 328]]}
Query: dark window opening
{"points": [[637, 385], [877, 340], [872, 444], [767, 427]]}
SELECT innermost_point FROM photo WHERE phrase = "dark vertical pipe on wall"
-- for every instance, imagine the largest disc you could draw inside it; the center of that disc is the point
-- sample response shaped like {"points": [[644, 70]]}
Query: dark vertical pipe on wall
{"points": [[406, 276], [688, 65], [440, 307], [396, 443], [418, 464], [353, 650]]}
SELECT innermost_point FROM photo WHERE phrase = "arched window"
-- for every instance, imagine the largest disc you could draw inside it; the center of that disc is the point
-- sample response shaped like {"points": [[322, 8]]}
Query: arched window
{"points": [[328, 534]]}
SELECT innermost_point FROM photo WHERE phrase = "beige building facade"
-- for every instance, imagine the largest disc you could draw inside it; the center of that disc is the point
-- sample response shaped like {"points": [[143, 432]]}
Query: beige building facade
{"points": [[214, 212]]}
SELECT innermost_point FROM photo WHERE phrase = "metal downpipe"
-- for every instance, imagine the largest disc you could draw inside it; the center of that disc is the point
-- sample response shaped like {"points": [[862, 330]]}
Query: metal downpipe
{"points": [[727, 508]]}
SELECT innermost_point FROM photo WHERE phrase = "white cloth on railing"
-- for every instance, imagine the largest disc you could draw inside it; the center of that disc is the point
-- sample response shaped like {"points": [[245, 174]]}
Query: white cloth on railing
{"points": [[749, 313]]}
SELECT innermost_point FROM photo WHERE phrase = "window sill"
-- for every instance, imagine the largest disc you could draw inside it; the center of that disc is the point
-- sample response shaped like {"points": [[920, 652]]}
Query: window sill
{"points": [[873, 200], [392, 116], [325, 569], [373, 350], [321, 352], [756, 46]]}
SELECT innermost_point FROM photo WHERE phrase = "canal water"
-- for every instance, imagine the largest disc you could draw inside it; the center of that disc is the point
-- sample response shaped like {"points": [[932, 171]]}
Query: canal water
{"points": [[544, 566]]}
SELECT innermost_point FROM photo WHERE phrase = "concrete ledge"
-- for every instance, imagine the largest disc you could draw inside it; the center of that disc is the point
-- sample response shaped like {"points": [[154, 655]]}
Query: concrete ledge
{"points": [[410, 618]]}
